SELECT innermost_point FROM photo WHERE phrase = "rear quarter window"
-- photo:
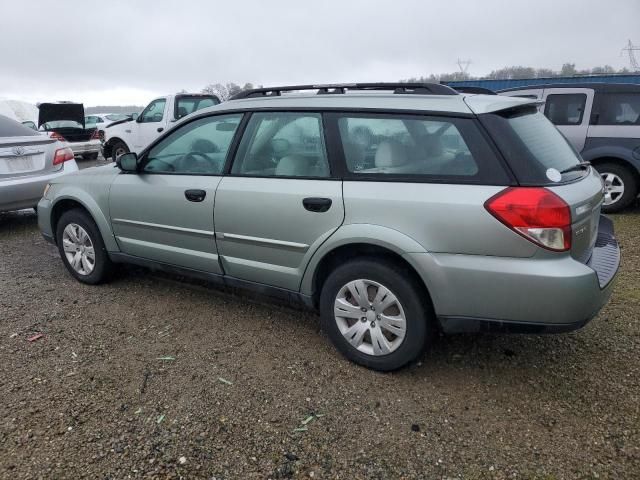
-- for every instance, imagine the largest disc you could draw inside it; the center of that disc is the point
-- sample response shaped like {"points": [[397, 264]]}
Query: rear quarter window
{"points": [[532, 146], [417, 148], [619, 109]]}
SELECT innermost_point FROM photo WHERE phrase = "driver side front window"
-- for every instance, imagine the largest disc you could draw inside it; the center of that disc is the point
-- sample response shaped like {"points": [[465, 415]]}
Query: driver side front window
{"points": [[197, 148], [154, 112]]}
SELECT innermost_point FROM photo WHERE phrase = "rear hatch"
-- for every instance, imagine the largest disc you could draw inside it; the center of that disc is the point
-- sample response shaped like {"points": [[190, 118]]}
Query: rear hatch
{"points": [[23, 151], [66, 119], [540, 156]]}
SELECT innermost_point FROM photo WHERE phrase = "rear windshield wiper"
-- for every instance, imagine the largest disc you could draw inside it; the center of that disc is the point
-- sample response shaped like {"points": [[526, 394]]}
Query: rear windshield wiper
{"points": [[577, 166]]}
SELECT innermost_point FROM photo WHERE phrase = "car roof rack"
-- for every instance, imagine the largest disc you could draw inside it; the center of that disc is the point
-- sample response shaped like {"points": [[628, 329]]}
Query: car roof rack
{"points": [[341, 88], [473, 89]]}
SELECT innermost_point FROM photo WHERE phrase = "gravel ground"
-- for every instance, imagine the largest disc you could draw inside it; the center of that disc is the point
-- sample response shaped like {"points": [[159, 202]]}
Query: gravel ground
{"points": [[151, 377]]}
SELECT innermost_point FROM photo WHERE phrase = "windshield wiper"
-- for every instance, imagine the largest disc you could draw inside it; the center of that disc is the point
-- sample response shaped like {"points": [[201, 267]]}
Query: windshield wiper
{"points": [[577, 166]]}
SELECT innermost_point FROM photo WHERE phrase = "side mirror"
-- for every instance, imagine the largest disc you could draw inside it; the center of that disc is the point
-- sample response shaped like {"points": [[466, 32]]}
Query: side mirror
{"points": [[128, 162]]}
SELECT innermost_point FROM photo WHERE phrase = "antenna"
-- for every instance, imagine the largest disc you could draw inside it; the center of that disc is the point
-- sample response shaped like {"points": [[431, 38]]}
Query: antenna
{"points": [[463, 65], [630, 48]]}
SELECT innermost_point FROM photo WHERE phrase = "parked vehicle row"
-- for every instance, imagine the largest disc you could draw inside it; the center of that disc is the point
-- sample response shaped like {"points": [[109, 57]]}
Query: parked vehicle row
{"points": [[394, 209], [132, 135], [602, 122]]}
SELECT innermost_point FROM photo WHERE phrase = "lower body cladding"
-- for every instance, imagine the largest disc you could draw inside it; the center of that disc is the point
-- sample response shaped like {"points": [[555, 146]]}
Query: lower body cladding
{"points": [[473, 293], [25, 192]]}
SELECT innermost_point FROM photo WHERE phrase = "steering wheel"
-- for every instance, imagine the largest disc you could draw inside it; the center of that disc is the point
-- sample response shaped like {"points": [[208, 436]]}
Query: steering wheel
{"points": [[198, 162]]}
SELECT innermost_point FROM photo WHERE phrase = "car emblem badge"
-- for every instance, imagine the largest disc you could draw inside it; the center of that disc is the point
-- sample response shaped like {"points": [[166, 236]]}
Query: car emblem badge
{"points": [[18, 151]]}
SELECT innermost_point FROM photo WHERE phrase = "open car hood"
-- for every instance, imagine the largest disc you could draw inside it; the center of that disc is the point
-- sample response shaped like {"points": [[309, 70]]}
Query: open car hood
{"points": [[50, 112]]}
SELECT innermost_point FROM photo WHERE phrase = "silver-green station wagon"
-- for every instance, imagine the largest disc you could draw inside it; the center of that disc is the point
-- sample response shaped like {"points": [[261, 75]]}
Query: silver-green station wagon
{"points": [[397, 210]]}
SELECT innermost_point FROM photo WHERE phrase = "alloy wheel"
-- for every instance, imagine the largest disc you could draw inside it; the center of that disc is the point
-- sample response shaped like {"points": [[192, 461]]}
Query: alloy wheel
{"points": [[613, 187]]}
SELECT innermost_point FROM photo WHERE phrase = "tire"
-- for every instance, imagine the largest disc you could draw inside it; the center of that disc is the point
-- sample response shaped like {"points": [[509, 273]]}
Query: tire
{"points": [[411, 303], [616, 176], [103, 267], [117, 149], [90, 156]]}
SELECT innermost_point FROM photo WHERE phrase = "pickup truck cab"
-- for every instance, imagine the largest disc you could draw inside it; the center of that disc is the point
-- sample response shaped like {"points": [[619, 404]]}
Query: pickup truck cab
{"points": [[131, 135], [602, 122]]}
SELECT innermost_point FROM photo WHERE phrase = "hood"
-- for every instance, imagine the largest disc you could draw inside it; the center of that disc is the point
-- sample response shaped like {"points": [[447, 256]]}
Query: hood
{"points": [[50, 112]]}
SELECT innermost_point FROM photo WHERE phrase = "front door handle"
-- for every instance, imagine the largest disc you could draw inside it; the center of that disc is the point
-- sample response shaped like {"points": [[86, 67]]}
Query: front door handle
{"points": [[195, 195], [160, 129], [315, 204]]}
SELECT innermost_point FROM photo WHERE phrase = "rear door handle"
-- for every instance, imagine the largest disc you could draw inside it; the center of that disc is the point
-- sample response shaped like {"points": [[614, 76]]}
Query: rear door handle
{"points": [[195, 195], [315, 204]]}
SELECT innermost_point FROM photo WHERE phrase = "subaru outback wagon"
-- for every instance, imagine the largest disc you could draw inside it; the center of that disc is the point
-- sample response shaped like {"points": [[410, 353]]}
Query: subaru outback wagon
{"points": [[396, 210]]}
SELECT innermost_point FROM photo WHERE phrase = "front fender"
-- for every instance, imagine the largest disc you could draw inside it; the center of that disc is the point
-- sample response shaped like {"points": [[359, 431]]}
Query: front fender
{"points": [[377, 235], [73, 192]]}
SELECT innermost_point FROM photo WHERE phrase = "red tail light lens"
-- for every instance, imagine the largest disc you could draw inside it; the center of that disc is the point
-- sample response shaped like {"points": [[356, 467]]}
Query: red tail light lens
{"points": [[62, 155], [57, 136], [537, 214], [95, 135]]}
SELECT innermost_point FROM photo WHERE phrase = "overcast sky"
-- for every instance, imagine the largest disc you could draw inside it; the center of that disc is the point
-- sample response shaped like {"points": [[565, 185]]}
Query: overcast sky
{"points": [[114, 52]]}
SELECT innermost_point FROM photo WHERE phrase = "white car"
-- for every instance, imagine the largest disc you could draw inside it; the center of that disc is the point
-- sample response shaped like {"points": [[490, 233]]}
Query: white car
{"points": [[130, 135], [65, 121], [101, 120]]}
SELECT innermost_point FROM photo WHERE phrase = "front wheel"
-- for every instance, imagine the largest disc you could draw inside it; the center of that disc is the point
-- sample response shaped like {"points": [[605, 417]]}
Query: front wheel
{"points": [[620, 186], [82, 249], [118, 149], [375, 314]]}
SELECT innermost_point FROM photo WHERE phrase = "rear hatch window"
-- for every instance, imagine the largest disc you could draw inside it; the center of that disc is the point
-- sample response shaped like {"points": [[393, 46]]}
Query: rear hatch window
{"points": [[536, 151]]}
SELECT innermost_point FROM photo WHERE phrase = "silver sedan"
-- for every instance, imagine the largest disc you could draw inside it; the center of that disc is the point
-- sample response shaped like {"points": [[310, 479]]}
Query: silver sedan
{"points": [[28, 161]]}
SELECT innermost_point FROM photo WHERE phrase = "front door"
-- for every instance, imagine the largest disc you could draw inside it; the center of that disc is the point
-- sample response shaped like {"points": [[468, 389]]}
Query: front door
{"points": [[150, 124], [569, 109], [280, 202], [165, 212]]}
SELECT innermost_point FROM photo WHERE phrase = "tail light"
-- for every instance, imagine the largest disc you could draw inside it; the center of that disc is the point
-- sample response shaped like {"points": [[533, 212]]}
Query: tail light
{"points": [[538, 214], [95, 135], [62, 155], [57, 136]]}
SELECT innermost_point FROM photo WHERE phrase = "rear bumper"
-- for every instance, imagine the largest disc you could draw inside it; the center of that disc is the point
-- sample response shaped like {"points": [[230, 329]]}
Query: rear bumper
{"points": [[19, 193], [84, 148], [473, 293]]}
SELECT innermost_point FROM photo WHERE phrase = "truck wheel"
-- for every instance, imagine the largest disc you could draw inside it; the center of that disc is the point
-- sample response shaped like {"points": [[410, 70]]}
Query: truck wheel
{"points": [[118, 149], [621, 186], [375, 314]]}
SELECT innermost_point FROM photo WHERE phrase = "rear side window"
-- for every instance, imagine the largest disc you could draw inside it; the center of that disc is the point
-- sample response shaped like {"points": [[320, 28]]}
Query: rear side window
{"points": [[533, 147], [619, 109], [446, 149], [11, 128], [283, 144], [187, 105], [565, 109]]}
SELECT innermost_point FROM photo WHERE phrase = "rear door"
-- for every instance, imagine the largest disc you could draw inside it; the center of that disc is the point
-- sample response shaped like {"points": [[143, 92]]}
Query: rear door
{"points": [[279, 202], [569, 109], [165, 212]]}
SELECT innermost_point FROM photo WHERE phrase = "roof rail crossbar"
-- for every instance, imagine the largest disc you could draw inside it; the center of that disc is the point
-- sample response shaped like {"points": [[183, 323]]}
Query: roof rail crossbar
{"points": [[341, 88]]}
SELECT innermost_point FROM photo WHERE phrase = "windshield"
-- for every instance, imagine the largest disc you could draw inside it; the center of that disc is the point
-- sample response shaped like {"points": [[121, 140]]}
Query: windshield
{"points": [[534, 147], [114, 117]]}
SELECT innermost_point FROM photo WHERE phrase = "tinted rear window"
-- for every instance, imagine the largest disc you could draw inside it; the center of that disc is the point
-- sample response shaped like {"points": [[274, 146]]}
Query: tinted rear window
{"points": [[619, 109], [535, 149], [11, 128]]}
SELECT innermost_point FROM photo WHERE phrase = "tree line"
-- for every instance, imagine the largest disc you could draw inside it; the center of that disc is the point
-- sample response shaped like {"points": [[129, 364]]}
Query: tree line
{"points": [[516, 72]]}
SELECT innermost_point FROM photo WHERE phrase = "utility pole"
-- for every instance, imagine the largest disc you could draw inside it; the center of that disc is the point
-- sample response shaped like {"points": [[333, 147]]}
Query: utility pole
{"points": [[463, 65], [630, 49]]}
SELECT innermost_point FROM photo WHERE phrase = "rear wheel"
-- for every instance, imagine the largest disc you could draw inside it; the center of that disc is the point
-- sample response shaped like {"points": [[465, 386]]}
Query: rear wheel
{"points": [[82, 249], [620, 186], [118, 149], [375, 314]]}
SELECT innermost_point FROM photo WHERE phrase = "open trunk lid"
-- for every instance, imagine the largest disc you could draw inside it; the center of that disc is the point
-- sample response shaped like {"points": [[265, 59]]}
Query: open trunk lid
{"points": [[49, 112]]}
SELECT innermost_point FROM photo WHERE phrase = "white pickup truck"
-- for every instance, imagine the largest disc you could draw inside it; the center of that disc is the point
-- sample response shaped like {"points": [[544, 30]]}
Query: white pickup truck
{"points": [[134, 135]]}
